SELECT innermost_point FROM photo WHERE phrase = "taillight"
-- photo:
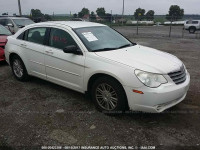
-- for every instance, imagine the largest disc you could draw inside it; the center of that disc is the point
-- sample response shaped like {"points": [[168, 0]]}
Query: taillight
{"points": [[6, 41]]}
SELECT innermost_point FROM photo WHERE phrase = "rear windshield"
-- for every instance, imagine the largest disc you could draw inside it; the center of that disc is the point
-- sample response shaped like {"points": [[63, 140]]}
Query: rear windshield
{"points": [[23, 22], [4, 31]]}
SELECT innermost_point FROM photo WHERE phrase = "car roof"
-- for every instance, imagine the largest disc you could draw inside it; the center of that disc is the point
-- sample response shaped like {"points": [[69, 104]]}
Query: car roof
{"points": [[5, 17], [71, 24], [192, 20]]}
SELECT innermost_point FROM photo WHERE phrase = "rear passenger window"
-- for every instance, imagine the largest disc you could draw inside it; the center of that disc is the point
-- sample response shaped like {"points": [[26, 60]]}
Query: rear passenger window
{"points": [[36, 35], [60, 39], [195, 22]]}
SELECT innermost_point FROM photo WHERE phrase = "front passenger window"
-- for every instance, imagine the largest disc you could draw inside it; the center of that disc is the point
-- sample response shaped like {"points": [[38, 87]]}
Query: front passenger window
{"points": [[60, 39], [36, 35]]}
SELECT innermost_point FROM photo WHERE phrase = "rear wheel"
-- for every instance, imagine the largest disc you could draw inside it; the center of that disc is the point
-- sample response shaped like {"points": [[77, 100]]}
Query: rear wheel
{"points": [[109, 96], [19, 69], [192, 29]]}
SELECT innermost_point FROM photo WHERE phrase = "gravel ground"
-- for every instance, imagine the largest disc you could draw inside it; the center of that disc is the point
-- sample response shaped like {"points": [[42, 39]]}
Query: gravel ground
{"points": [[38, 113]]}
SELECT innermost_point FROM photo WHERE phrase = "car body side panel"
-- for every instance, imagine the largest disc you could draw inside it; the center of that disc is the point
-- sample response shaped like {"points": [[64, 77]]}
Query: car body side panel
{"points": [[97, 65]]}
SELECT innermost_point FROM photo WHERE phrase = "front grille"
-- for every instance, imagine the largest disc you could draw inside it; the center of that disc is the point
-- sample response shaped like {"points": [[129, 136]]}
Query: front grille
{"points": [[178, 76]]}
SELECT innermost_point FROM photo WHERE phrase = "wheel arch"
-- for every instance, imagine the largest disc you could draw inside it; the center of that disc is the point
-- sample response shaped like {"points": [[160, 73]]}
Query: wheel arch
{"points": [[98, 75], [15, 54], [95, 76], [11, 57], [192, 27]]}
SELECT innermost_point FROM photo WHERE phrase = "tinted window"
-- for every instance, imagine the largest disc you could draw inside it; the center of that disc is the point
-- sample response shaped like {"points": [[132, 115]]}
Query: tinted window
{"points": [[60, 39], [195, 22], [23, 22], [36, 35], [3, 22], [21, 36], [8, 21]]}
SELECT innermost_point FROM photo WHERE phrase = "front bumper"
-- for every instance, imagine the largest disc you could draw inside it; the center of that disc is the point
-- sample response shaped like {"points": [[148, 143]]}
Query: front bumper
{"points": [[156, 100]]}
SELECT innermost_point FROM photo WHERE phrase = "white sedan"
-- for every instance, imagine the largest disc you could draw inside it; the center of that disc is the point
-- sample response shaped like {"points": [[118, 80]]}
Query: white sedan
{"points": [[91, 57]]}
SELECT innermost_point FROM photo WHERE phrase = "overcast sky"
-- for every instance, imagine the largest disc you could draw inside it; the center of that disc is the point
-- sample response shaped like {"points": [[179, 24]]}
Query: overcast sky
{"points": [[65, 6]]}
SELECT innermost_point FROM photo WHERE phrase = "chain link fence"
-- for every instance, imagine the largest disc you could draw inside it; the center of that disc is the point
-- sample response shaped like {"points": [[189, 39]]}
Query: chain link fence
{"points": [[144, 27]]}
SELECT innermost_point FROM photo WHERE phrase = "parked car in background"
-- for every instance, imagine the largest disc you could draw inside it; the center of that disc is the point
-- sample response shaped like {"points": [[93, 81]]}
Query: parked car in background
{"points": [[4, 32], [91, 57], [15, 23], [192, 26]]}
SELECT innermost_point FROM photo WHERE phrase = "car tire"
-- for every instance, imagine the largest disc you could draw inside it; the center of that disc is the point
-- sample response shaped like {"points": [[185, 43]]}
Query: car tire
{"points": [[19, 69], [192, 30], [109, 96]]}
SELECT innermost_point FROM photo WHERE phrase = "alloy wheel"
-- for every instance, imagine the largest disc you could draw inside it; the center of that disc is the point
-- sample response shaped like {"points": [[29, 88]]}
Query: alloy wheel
{"points": [[17, 68], [106, 96]]}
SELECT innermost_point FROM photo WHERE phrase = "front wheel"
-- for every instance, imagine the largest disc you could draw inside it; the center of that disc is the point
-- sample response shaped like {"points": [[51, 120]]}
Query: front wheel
{"points": [[192, 30], [109, 96], [19, 69]]}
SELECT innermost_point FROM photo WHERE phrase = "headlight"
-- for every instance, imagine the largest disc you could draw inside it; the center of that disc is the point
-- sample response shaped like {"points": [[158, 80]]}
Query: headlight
{"points": [[150, 79]]}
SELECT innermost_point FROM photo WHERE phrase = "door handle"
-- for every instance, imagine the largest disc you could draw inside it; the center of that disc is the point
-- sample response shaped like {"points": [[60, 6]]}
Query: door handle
{"points": [[49, 52], [23, 45]]}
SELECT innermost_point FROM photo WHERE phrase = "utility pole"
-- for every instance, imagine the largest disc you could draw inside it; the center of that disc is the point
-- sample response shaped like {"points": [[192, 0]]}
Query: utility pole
{"points": [[123, 13], [111, 17], [170, 29], [19, 5]]}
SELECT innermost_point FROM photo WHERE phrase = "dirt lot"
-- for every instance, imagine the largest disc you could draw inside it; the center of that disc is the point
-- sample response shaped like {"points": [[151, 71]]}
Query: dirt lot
{"points": [[39, 113]]}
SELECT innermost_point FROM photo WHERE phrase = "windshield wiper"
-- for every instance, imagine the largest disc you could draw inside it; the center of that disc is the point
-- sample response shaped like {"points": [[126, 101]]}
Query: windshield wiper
{"points": [[104, 49], [20, 26], [127, 45]]}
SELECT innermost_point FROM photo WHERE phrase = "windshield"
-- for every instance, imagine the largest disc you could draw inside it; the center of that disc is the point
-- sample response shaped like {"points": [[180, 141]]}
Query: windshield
{"points": [[23, 22], [4, 31], [102, 38]]}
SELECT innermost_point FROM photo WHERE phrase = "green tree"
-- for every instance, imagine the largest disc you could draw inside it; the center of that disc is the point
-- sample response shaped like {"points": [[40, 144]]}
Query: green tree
{"points": [[4, 14], [101, 12], [175, 13], [92, 16], [36, 13], [85, 11], [139, 14], [75, 15], [150, 15], [80, 15]]}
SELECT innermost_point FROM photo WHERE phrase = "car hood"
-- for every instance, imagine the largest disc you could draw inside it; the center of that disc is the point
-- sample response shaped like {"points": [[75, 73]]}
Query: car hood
{"points": [[144, 58], [3, 39]]}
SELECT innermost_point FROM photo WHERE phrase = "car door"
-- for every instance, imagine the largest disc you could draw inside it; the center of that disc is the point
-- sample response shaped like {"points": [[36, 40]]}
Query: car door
{"points": [[63, 68], [34, 50]]}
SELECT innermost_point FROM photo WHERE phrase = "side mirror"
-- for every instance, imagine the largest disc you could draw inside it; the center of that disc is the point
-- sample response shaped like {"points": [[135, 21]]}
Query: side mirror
{"points": [[72, 49], [10, 25]]}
